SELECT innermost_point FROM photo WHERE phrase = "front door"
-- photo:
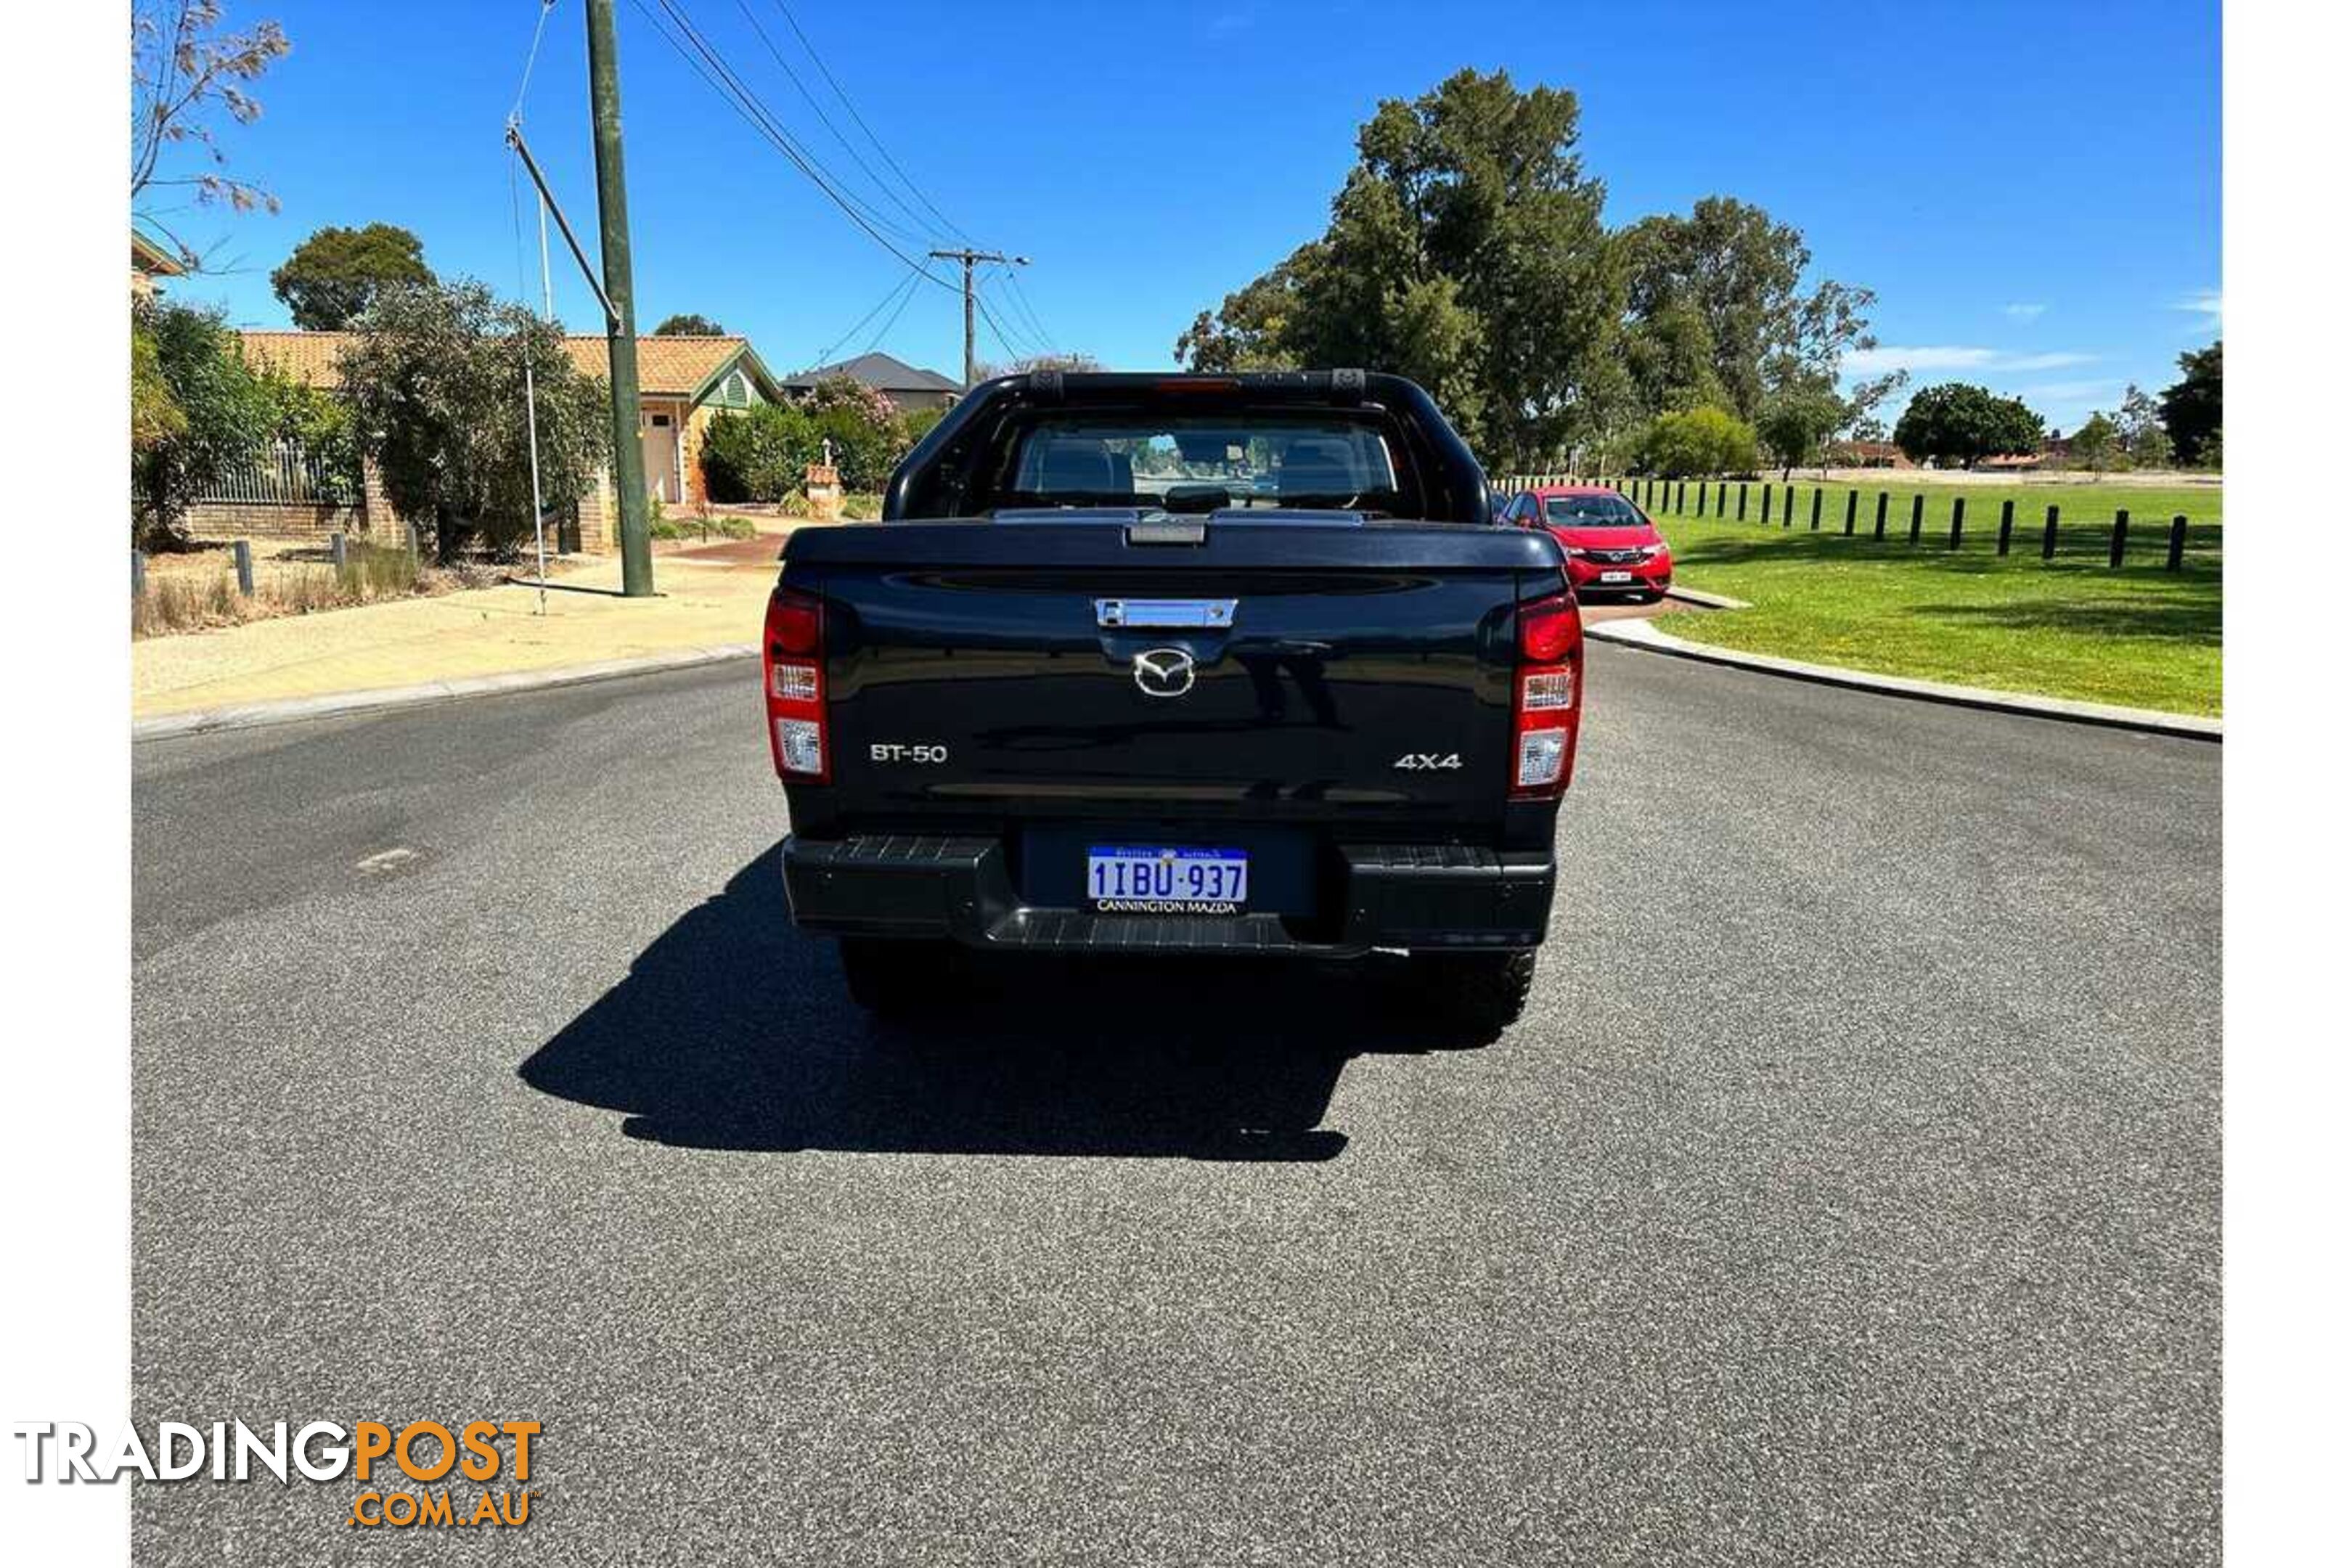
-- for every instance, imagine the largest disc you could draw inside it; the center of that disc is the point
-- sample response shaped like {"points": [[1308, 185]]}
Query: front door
{"points": [[661, 458]]}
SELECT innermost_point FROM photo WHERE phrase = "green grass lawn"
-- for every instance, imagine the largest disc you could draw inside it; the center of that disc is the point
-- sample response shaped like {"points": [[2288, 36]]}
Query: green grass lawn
{"points": [[2142, 635]]}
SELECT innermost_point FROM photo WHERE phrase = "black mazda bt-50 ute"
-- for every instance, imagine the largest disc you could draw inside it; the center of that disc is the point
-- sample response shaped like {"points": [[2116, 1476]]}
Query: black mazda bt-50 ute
{"points": [[1178, 664]]}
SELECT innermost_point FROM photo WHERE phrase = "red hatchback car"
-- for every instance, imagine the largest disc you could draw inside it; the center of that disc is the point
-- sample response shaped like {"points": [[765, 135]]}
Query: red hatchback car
{"points": [[1612, 548]]}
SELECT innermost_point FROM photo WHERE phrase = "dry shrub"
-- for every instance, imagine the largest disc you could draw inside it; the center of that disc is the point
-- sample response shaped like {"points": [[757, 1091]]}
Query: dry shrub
{"points": [[182, 601]]}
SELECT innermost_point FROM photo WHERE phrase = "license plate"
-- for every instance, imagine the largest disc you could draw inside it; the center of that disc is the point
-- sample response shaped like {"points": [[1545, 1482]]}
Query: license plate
{"points": [[1159, 879], [1616, 576]]}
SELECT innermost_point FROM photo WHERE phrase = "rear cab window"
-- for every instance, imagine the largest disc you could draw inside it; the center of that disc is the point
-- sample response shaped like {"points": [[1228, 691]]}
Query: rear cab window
{"points": [[1284, 460]]}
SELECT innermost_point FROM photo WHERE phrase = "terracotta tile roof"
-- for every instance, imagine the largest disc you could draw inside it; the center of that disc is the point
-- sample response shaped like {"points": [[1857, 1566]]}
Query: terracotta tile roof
{"points": [[306, 357], [667, 367]]}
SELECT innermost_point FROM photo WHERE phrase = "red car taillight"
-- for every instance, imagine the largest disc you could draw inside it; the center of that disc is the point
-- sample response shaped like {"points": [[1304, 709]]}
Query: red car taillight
{"points": [[1543, 721], [792, 678]]}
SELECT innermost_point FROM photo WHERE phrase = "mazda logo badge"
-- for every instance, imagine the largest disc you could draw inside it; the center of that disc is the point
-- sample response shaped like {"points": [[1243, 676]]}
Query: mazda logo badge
{"points": [[1163, 672]]}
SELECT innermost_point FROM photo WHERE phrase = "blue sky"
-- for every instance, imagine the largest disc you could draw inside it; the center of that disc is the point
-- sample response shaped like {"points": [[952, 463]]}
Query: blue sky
{"points": [[2034, 191]]}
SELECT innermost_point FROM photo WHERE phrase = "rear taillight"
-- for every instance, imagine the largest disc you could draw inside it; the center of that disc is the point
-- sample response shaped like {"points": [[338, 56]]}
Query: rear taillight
{"points": [[792, 678], [1543, 720]]}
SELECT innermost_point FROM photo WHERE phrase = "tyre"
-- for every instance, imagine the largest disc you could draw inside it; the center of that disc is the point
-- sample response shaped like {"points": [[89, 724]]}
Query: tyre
{"points": [[1484, 992], [899, 978]]}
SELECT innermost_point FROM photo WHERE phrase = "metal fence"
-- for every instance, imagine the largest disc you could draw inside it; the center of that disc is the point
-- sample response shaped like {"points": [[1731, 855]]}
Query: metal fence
{"points": [[285, 473], [2176, 540]]}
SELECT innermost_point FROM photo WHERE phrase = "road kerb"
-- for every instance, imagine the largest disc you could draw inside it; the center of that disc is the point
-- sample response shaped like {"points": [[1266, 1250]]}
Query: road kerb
{"points": [[252, 715], [2150, 721]]}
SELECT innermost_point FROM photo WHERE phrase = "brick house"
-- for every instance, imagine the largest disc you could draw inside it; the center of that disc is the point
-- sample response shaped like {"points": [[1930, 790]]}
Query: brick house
{"points": [[683, 383]]}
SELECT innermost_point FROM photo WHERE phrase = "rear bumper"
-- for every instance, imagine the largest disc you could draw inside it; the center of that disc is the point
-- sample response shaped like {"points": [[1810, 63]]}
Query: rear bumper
{"points": [[1426, 897]]}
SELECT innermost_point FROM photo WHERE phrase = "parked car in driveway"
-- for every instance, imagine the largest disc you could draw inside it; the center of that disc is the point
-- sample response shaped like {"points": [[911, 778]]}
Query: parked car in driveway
{"points": [[1611, 545], [1088, 689]]}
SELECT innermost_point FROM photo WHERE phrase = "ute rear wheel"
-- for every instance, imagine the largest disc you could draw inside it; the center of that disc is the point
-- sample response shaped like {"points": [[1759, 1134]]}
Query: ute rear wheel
{"points": [[1483, 992]]}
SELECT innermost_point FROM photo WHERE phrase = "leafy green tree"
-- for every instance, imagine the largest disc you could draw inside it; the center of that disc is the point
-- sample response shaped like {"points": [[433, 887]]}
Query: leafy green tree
{"points": [[336, 274], [1466, 250], [1795, 422], [2145, 442], [155, 414], [1957, 423], [225, 413], [2096, 445], [1729, 278], [2191, 408], [761, 454], [689, 325], [1670, 358], [434, 385], [1698, 441]]}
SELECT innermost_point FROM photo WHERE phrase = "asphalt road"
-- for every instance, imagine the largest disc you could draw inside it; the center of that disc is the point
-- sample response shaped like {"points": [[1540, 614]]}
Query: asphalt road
{"points": [[1850, 1195]]}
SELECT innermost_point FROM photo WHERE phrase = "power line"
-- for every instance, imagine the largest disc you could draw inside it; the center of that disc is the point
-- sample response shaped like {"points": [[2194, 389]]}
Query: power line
{"points": [[851, 104], [997, 327], [802, 88], [1021, 300], [1028, 341], [884, 330], [706, 62], [1020, 315], [904, 285], [732, 83]]}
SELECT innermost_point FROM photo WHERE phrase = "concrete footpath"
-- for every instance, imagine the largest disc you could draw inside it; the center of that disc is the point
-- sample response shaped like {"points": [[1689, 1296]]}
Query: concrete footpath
{"points": [[710, 600]]}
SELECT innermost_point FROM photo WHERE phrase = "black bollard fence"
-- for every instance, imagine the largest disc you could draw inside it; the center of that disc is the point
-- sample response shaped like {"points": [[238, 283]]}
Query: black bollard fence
{"points": [[1788, 506], [1853, 501], [242, 553], [2179, 541], [2115, 540], [2050, 536], [2007, 516], [1721, 490], [1768, 503], [1679, 498], [1959, 509], [1918, 515], [1743, 501], [1878, 529]]}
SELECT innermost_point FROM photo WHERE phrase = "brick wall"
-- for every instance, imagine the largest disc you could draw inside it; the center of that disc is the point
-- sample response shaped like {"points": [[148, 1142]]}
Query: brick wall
{"points": [[373, 519], [276, 520]]}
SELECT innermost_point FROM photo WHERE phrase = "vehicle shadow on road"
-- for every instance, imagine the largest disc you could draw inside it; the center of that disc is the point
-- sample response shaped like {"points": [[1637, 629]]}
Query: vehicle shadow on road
{"points": [[734, 1031]]}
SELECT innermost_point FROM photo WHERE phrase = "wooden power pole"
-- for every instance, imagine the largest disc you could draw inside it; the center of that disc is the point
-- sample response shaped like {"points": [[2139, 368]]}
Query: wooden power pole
{"points": [[620, 323], [971, 363]]}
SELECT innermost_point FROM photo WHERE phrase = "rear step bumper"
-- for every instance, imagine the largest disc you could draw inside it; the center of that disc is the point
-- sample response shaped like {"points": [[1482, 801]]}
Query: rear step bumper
{"points": [[1423, 896]]}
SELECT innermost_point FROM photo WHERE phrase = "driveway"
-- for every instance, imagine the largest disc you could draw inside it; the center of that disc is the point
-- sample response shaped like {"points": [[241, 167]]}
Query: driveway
{"points": [[1850, 1195]]}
